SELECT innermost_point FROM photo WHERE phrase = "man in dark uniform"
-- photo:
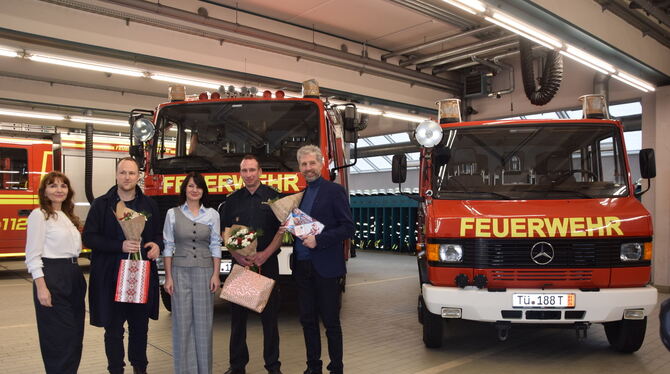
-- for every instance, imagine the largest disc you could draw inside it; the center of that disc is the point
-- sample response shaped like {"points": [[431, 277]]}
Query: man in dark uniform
{"points": [[246, 207], [103, 234]]}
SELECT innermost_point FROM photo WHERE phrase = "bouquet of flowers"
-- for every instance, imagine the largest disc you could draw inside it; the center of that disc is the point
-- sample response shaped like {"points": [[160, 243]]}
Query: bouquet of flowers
{"points": [[243, 240], [132, 284], [132, 223], [282, 207]]}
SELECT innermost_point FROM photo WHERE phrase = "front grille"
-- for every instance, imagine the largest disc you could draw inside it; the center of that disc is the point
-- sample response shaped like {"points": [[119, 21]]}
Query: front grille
{"points": [[542, 275], [515, 254]]}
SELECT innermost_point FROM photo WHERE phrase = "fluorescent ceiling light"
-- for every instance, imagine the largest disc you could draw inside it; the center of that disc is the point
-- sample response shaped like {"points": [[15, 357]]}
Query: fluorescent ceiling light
{"points": [[368, 110], [404, 117], [519, 32], [524, 30], [636, 81], [470, 6], [8, 53], [619, 78], [590, 58], [474, 4], [584, 62], [18, 113], [99, 121], [186, 81], [87, 65]]}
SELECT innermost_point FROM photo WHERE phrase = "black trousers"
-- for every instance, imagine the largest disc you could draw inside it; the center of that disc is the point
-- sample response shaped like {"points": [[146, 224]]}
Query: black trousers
{"points": [[138, 327], [239, 352], [61, 327], [319, 297]]}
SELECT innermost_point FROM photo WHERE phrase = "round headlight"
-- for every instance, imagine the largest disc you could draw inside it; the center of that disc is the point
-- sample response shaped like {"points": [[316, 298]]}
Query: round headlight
{"points": [[631, 251], [143, 130], [428, 134], [451, 253]]}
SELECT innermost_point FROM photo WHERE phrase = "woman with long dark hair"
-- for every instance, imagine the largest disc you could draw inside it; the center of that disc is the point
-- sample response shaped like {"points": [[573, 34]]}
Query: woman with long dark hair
{"points": [[53, 244], [192, 235]]}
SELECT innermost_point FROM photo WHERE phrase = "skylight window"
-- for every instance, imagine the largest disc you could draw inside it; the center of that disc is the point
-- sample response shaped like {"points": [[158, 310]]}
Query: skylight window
{"points": [[380, 162], [627, 109], [378, 140]]}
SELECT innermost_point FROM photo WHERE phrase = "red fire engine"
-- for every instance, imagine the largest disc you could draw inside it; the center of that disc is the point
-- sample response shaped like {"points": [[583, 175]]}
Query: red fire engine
{"points": [[23, 161], [25, 157], [212, 133], [535, 222]]}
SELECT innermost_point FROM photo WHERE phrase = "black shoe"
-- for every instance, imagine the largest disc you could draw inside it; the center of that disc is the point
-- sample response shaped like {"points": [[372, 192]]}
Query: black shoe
{"points": [[274, 371], [235, 371], [312, 371], [139, 370]]}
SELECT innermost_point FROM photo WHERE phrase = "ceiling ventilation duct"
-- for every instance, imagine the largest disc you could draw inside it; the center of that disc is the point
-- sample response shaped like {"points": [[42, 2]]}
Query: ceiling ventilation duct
{"points": [[552, 74]]}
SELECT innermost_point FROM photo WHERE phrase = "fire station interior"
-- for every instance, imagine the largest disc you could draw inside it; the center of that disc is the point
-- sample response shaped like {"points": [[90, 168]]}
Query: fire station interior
{"points": [[69, 65]]}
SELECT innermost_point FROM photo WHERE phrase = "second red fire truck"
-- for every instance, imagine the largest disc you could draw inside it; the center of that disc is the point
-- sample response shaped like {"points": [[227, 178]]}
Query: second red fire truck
{"points": [[532, 222]]}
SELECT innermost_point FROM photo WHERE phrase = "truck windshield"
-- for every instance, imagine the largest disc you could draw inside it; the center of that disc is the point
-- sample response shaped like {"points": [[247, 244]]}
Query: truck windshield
{"points": [[214, 136], [531, 162]]}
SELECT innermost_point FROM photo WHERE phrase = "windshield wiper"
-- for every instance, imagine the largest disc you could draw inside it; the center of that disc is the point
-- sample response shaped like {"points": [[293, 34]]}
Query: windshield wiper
{"points": [[497, 194]]}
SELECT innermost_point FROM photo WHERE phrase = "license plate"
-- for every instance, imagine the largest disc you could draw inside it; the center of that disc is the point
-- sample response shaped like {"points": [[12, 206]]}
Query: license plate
{"points": [[226, 266], [543, 300]]}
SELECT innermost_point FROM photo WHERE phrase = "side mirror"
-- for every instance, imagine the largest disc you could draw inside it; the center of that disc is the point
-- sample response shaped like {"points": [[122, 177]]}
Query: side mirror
{"points": [[350, 118], [399, 168], [647, 163], [136, 151]]}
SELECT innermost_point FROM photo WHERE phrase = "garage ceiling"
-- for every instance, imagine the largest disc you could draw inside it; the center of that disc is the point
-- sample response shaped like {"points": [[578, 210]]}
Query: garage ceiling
{"points": [[397, 55]]}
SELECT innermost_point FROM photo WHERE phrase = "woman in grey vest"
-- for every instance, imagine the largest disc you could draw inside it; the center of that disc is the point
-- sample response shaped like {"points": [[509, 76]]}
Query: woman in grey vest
{"points": [[192, 236]]}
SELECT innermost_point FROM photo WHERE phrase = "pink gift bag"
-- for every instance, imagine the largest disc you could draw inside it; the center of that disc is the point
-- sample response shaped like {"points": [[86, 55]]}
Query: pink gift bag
{"points": [[247, 288]]}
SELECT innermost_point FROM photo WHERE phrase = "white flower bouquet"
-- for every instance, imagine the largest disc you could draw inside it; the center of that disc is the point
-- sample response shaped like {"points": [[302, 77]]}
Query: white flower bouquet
{"points": [[243, 240]]}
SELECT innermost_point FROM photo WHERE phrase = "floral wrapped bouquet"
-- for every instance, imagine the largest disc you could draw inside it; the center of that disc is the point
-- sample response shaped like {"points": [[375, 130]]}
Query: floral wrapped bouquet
{"points": [[132, 223], [243, 240]]}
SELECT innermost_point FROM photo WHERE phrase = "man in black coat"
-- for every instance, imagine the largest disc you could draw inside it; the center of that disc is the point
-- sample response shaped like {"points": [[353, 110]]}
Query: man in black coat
{"points": [[319, 265], [103, 235]]}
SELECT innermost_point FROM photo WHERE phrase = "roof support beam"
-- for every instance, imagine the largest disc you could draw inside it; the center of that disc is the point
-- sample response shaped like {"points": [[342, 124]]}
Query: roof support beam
{"points": [[257, 38]]}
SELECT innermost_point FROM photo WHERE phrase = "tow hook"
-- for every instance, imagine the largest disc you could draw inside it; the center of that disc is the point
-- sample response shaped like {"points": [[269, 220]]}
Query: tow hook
{"points": [[503, 328], [581, 328]]}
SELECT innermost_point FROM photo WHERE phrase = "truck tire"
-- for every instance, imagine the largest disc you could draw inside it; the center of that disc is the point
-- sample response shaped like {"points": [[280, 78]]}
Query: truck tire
{"points": [[432, 329], [627, 335], [166, 298]]}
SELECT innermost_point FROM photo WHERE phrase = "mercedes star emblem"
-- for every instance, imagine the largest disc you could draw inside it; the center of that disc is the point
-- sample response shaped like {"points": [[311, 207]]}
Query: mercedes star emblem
{"points": [[542, 253]]}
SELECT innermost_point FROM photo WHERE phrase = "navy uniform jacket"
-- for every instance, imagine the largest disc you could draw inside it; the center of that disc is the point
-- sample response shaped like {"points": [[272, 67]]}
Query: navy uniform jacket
{"points": [[331, 207], [103, 235], [243, 208]]}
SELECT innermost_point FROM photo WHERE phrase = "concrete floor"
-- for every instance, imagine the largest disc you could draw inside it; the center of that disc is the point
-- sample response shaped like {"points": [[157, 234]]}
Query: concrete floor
{"points": [[381, 334]]}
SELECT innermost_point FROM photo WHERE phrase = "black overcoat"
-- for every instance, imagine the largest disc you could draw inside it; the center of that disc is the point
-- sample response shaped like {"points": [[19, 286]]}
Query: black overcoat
{"points": [[103, 235]]}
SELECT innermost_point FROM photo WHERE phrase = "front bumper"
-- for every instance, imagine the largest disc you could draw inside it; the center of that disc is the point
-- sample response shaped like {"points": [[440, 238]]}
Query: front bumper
{"points": [[481, 305]]}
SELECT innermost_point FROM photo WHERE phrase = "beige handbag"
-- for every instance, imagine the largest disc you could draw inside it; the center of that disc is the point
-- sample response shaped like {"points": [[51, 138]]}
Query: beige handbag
{"points": [[247, 288]]}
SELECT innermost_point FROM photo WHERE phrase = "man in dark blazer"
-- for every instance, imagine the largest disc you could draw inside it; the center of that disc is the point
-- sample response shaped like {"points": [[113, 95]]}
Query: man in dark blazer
{"points": [[103, 234], [318, 264]]}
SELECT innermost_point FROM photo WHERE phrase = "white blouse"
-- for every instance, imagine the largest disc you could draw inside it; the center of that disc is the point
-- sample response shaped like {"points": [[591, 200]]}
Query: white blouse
{"points": [[52, 238]]}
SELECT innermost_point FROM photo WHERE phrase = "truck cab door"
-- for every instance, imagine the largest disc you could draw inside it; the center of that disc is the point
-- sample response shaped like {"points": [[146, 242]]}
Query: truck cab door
{"points": [[18, 197]]}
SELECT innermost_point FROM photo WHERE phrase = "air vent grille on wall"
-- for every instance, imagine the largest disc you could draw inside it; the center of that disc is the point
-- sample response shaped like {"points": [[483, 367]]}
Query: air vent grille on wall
{"points": [[477, 85]]}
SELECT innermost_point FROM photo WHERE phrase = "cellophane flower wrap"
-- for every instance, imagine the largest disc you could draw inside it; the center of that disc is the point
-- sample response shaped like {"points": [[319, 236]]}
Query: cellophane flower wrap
{"points": [[243, 240], [132, 284]]}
